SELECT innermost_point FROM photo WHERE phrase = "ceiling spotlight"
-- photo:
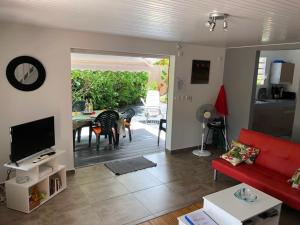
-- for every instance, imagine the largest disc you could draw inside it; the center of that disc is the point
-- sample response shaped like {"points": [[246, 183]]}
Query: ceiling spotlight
{"points": [[207, 24], [212, 26], [179, 49], [225, 24], [212, 20]]}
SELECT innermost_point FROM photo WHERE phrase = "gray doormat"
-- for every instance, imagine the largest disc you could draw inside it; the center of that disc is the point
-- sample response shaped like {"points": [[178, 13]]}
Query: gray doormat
{"points": [[129, 165]]}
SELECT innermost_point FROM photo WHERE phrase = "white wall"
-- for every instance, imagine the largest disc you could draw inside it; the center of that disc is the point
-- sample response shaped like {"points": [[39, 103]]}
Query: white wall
{"points": [[186, 129], [52, 47]]}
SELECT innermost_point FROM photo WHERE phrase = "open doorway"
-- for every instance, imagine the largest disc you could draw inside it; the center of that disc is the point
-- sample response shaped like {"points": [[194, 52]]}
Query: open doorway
{"points": [[121, 83], [277, 85]]}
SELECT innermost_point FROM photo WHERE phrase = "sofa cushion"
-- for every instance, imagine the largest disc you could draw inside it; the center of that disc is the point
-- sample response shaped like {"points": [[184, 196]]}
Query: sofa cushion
{"points": [[275, 154], [240, 153], [295, 180], [264, 179], [252, 153], [235, 155]]}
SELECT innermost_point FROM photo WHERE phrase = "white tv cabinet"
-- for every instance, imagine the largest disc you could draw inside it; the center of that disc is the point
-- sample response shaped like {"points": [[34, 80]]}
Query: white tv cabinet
{"points": [[18, 195]]}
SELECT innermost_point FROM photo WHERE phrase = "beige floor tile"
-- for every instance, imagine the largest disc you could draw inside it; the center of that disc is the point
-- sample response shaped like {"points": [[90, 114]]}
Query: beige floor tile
{"points": [[165, 173], [159, 198], [159, 158], [120, 210], [191, 188], [91, 174], [138, 180], [9, 216], [83, 216], [94, 186], [70, 199], [185, 185], [103, 190]]}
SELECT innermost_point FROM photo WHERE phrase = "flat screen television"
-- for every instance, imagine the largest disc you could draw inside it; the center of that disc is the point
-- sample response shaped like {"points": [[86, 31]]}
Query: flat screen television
{"points": [[30, 138]]}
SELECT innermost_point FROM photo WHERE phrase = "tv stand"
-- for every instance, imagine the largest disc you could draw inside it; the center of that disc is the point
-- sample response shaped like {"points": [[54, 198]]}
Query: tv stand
{"points": [[44, 179]]}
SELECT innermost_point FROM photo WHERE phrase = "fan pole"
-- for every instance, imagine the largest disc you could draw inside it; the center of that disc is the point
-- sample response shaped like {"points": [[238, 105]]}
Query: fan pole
{"points": [[202, 137], [202, 152]]}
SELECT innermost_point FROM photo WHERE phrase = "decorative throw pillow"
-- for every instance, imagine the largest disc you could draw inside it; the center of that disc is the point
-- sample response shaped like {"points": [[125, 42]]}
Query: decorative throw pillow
{"points": [[252, 152], [235, 156], [240, 153], [295, 180]]}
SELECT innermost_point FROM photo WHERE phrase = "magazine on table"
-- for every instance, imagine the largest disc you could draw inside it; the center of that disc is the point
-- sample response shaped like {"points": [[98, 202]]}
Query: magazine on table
{"points": [[199, 217]]}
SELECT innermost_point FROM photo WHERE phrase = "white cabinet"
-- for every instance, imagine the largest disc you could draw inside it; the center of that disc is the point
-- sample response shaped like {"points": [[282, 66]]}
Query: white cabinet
{"points": [[282, 73], [48, 183]]}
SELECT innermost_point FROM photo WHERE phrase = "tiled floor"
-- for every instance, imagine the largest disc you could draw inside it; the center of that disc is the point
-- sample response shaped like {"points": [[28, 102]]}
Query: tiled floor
{"points": [[95, 196]]}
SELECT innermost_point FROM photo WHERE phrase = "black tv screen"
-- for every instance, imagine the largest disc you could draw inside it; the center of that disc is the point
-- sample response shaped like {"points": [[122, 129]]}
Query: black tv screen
{"points": [[30, 138]]}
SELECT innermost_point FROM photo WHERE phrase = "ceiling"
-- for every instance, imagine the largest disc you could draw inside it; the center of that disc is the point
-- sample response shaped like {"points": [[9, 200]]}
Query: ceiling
{"points": [[252, 22]]}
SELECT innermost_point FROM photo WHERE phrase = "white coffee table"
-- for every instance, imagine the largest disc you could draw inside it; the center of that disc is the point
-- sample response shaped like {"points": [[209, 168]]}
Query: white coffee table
{"points": [[225, 209]]}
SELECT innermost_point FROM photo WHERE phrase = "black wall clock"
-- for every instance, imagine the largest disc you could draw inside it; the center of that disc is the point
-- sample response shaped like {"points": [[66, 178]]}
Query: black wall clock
{"points": [[25, 73]]}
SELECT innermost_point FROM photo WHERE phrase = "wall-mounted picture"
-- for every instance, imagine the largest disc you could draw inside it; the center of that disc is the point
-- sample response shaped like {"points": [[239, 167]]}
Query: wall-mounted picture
{"points": [[200, 72]]}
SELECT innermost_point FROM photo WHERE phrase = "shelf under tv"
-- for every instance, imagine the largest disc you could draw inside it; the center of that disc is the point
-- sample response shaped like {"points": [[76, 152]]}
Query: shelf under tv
{"points": [[28, 164], [19, 195]]}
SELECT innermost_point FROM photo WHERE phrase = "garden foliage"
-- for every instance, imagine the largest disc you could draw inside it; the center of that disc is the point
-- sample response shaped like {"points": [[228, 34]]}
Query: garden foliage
{"points": [[109, 89]]}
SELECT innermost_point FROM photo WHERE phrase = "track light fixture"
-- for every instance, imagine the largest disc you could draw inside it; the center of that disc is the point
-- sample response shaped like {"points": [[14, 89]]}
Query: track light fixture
{"points": [[225, 24], [212, 20], [179, 49]]}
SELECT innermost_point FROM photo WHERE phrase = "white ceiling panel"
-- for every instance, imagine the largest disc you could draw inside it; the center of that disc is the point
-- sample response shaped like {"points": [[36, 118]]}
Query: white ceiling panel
{"points": [[252, 22]]}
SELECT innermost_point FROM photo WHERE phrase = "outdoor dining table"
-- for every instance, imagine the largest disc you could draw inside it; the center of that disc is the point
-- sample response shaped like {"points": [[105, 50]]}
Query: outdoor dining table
{"points": [[81, 119]]}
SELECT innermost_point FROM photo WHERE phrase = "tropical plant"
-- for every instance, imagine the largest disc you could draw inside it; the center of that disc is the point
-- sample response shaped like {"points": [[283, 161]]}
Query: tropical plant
{"points": [[109, 89]]}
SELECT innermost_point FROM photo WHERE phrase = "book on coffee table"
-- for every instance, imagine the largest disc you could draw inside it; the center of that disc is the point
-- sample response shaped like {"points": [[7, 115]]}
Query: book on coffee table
{"points": [[199, 217]]}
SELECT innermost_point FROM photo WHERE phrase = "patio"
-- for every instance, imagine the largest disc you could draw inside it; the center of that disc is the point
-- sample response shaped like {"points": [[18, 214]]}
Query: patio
{"points": [[112, 81], [144, 141]]}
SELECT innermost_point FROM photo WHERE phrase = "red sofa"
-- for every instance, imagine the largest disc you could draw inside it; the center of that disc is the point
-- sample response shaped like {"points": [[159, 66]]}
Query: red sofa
{"points": [[277, 161]]}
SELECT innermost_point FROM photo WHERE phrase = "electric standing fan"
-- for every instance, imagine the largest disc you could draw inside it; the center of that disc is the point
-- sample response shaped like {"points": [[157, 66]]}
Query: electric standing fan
{"points": [[203, 115]]}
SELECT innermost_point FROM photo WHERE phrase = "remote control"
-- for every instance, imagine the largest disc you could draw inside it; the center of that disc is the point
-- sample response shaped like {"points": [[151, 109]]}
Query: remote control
{"points": [[40, 158], [49, 153]]}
